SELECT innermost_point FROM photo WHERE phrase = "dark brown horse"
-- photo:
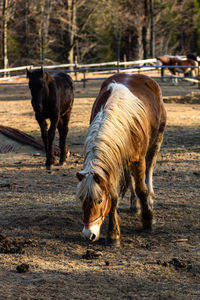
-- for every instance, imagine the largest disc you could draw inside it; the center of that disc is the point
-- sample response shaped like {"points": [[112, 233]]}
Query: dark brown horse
{"points": [[126, 131], [177, 65], [52, 98]]}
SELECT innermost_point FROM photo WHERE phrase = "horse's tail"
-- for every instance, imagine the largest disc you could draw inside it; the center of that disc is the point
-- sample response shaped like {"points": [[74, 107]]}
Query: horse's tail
{"points": [[195, 71], [197, 68]]}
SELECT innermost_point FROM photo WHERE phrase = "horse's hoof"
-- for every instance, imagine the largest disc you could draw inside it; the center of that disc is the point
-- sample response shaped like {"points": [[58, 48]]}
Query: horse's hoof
{"points": [[147, 227], [112, 242], [135, 210]]}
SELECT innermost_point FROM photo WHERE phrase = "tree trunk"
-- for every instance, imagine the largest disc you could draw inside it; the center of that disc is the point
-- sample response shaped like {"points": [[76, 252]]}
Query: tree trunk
{"points": [[26, 27], [72, 10], [152, 38], [5, 35], [44, 28], [145, 30]]}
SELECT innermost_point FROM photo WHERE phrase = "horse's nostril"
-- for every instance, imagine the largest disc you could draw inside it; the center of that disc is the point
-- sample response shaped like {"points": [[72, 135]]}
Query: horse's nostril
{"points": [[93, 236]]}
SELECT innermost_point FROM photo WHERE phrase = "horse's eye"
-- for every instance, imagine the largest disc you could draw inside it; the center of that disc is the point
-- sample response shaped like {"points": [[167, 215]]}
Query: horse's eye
{"points": [[99, 201]]}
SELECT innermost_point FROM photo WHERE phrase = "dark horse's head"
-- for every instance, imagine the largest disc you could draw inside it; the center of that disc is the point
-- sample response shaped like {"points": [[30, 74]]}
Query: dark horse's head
{"points": [[38, 86]]}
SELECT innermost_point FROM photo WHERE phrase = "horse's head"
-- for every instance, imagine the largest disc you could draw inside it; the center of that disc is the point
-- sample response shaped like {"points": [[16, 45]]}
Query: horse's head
{"points": [[96, 203], [38, 88], [165, 60]]}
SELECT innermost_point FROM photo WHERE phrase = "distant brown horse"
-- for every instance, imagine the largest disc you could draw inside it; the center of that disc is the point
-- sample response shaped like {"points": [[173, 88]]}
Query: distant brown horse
{"points": [[52, 98], [176, 65], [127, 124]]}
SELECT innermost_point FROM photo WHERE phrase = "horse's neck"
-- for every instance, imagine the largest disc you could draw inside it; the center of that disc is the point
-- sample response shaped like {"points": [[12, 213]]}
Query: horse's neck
{"points": [[46, 92]]}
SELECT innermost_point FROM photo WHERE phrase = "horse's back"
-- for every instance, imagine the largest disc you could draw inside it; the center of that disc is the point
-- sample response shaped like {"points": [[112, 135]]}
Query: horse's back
{"points": [[141, 86], [63, 93], [65, 78], [66, 87]]}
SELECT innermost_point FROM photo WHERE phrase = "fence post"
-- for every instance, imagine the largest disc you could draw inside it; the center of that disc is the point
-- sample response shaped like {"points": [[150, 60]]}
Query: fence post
{"points": [[162, 71], [118, 66], [84, 80], [75, 71]]}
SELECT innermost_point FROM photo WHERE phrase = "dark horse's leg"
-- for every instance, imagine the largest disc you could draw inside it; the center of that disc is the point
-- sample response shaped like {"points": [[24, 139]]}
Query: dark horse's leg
{"points": [[63, 130], [44, 133], [51, 134]]}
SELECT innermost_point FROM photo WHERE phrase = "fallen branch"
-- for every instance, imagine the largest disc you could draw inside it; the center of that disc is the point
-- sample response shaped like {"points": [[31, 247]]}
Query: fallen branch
{"points": [[25, 138]]}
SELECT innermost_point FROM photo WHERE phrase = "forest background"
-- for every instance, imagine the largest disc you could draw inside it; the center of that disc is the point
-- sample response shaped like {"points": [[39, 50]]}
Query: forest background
{"points": [[45, 32]]}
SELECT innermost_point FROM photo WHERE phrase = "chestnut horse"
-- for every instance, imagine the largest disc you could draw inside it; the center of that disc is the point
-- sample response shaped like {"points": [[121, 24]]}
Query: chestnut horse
{"points": [[52, 98], [177, 65], [127, 124]]}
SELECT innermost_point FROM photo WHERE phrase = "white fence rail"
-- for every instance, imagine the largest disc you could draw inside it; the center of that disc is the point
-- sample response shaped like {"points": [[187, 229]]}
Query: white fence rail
{"points": [[81, 71], [77, 68]]}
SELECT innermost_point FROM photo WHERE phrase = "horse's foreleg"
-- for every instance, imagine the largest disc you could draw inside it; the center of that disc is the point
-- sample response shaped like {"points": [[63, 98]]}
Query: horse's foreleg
{"points": [[43, 127], [51, 134], [143, 195], [113, 235], [63, 130]]}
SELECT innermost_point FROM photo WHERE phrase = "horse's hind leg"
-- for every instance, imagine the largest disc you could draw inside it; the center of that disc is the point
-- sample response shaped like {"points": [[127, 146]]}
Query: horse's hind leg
{"points": [[60, 131], [134, 201], [63, 130], [130, 183], [151, 158]]}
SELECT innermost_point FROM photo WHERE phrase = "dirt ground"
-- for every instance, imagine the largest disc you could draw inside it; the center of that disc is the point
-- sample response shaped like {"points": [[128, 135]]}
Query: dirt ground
{"points": [[42, 252]]}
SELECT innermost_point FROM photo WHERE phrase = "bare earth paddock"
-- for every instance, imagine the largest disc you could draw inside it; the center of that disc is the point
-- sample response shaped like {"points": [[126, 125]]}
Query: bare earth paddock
{"points": [[40, 220]]}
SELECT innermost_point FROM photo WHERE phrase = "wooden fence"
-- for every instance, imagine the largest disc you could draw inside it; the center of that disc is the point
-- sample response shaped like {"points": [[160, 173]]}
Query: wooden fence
{"points": [[86, 72]]}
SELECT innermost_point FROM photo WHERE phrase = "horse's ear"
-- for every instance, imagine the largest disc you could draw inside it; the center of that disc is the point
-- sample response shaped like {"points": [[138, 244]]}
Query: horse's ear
{"points": [[28, 73], [42, 71], [80, 176]]}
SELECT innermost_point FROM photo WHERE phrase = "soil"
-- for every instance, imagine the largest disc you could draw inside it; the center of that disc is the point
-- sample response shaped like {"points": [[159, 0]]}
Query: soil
{"points": [[42, 252]]}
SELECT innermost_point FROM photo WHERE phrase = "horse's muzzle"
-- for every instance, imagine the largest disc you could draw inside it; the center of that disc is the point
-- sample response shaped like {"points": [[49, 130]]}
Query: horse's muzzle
{"points": [[37, 106], [91, 233]]}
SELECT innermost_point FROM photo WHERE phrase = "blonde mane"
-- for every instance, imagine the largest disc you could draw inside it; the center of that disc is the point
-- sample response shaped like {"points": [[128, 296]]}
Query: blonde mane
{"points": [[110, 138]]}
